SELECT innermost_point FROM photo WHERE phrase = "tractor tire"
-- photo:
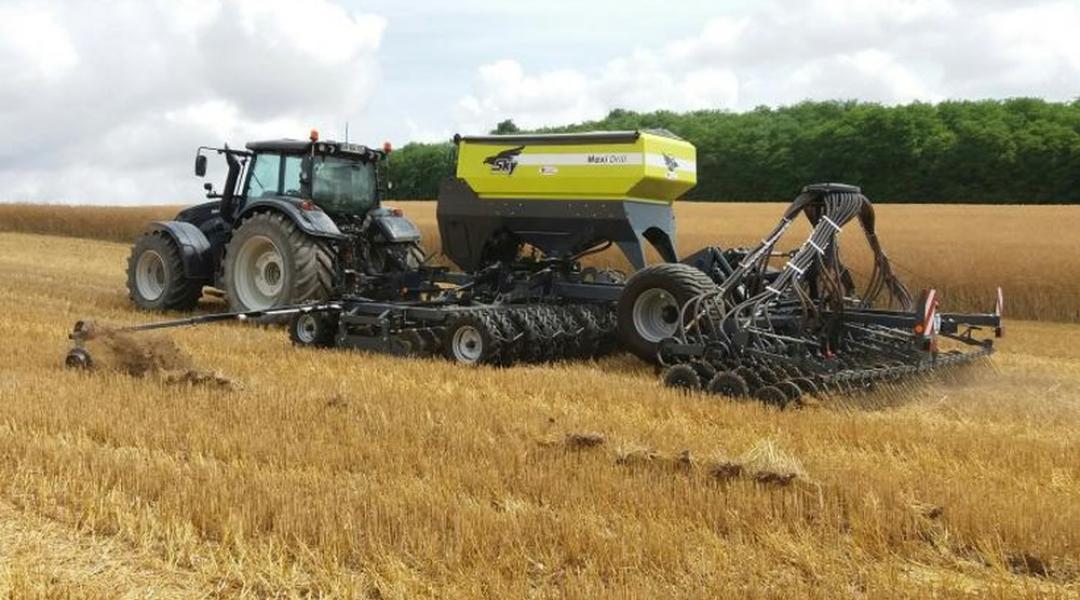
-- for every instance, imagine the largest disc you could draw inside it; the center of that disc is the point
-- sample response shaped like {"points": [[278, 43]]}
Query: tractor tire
{"points": [[649, 305], [404, 257], [414, 256], [155, 275], [270, 262]]}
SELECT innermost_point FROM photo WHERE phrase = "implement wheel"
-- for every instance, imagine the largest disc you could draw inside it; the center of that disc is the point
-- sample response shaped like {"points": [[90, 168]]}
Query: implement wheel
{"points": [[155, 275], [78, 358], [649, 305], [470, 339], [313, 329]]}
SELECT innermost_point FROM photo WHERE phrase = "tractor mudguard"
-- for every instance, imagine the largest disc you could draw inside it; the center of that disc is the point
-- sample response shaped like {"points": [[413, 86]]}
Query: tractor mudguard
{"points": [[397, 228], [195, 249], [311, 221]]}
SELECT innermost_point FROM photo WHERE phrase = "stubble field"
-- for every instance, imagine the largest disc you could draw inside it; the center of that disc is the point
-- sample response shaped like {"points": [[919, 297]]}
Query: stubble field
{"points": [[353, 475]]}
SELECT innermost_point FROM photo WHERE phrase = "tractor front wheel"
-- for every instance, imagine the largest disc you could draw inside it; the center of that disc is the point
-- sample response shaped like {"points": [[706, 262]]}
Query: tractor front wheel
{"points": [[270, 262], [155, 275]]}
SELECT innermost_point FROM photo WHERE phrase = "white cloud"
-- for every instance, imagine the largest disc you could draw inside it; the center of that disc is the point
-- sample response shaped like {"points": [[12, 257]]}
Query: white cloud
{"points": [[106, 103], [40, 47], [890, 51]]}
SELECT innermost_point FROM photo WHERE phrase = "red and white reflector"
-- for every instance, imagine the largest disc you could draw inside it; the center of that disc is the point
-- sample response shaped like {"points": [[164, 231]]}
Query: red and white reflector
{"points": [[999, 308], [931, 322]]}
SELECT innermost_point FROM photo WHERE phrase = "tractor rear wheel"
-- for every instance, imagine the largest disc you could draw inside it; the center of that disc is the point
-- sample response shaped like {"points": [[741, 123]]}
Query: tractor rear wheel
{"points": [[403, 257], [649, 305], [270, 262], [155, 275]]}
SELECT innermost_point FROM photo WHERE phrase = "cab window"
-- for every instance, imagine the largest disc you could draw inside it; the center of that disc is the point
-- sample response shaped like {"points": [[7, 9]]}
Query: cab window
{"points": [[265, 178], [292, 184]]}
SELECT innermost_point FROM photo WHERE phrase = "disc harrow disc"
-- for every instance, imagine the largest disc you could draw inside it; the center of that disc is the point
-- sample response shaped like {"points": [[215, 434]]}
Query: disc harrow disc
{"points": [[682, 377], [729, 383]]}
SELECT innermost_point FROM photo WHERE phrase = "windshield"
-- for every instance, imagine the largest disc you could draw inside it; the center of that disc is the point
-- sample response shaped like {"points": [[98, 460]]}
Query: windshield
{"points": [[343, 186]]}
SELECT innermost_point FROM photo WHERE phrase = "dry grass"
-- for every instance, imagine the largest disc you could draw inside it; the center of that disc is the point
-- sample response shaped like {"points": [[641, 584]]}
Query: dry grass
{"points": [[965, 251], [352, 475], [111, 223]]}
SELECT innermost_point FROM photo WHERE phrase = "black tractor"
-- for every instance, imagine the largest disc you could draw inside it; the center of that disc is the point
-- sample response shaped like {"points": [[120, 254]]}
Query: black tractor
{"points": [[295, 221]]}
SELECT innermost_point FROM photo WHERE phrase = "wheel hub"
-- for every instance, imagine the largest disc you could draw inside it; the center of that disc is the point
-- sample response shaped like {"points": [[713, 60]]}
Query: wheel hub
{"points": [[656, 315], [307, 328], [468, 344], [150, 275], [259, 273]]}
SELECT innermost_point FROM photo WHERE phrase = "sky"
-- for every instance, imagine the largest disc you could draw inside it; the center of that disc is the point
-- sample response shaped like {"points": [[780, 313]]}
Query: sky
{"points": [[105, 102]]}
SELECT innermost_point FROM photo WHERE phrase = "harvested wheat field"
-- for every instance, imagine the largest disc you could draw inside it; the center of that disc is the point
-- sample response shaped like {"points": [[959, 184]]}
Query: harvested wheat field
{"points": [[241, 467], [964, 250]]}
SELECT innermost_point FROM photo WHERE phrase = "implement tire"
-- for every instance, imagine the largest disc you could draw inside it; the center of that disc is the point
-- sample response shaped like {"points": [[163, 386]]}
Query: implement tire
{"points": [[313, 329], [270, 262], [155, 275], [472, 339], [649, 305]]}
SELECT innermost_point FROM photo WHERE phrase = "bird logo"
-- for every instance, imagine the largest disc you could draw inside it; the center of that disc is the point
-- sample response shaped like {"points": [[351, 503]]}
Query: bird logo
{"points": [[505, 161], [671, 162]]}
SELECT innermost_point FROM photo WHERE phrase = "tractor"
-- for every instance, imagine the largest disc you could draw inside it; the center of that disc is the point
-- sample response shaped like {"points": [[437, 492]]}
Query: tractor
{"points": [[295, 221]]}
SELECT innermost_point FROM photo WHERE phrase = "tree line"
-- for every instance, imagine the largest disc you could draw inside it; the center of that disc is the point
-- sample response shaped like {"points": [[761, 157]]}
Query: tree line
{"points": [[1018, 150]]}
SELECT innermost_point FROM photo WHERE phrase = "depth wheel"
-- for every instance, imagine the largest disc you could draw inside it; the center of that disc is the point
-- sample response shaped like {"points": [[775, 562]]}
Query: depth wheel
{"points": [[78, 358]]}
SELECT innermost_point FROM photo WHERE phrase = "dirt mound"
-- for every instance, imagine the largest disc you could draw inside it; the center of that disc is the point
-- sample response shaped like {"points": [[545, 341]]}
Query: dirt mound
{"points": [[581, 441], [143, 354], [136, 354]]}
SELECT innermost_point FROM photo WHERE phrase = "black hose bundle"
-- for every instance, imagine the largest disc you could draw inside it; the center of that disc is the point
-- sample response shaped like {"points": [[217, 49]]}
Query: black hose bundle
{"points": [[813, 282]]}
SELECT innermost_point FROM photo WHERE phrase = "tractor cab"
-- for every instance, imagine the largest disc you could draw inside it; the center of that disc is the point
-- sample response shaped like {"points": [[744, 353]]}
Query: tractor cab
{"points": [[339, 178]]}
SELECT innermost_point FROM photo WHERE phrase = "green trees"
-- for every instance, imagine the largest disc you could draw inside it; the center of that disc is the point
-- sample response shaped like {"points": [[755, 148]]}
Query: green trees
{"points": [[1019, 150], [415, 170]]}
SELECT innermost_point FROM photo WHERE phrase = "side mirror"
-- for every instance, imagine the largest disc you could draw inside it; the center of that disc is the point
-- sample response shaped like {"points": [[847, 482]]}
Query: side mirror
{"points": [[200, 165], [209, 187]]}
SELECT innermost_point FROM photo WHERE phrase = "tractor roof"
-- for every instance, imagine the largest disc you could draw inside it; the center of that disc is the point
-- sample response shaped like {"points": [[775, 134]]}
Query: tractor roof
{"points": [[592, 137], [291, 146]]}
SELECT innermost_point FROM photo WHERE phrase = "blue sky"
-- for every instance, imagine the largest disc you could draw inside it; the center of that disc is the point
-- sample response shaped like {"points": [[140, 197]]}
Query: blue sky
{"points": [[119, 93]]}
